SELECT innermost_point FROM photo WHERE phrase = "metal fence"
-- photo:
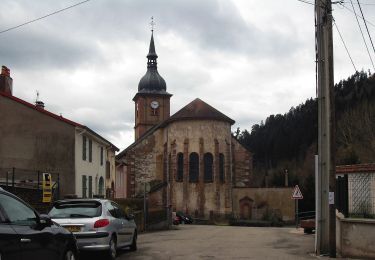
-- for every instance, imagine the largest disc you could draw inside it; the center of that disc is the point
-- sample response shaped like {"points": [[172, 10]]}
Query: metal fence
{"points": [[361, 191], [29, 179], [355, 194]]}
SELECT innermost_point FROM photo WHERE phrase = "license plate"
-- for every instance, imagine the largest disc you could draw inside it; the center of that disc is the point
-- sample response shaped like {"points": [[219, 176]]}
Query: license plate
{"points": [[73, 228]]}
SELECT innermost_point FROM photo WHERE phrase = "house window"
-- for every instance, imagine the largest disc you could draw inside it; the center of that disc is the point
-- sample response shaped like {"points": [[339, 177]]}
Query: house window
{"points": [[180, 167], [101, 186], [84, 186], [101, 156], [193, 167], [84, 148], [90, 150], [107, 170], [90, 186], [221, 167], [208, 162]]}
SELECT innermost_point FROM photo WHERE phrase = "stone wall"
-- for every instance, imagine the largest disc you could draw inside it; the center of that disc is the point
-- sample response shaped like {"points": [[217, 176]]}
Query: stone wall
{"points": [[355, 238], [242, 165], [201, 137], [154, 158], [256, 203]]}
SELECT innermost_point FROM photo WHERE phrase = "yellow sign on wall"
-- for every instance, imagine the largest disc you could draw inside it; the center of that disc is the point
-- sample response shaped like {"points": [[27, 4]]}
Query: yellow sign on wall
{"points": [[47, 187]]}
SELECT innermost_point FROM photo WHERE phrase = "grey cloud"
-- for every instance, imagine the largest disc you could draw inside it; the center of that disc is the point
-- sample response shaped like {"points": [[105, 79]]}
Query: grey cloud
{"points": [[32, 50], [214, 25]]}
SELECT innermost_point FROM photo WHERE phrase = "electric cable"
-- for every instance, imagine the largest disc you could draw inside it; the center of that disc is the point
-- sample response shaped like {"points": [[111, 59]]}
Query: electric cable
{"points": [[368, 32], [363, 37], [356, 14], [45, 16], [306, 2], [342, 39]]}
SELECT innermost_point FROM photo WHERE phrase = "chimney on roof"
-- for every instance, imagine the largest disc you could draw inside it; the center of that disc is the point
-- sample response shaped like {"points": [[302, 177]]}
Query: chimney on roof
{"points": [[39, 104], [6, 82]]}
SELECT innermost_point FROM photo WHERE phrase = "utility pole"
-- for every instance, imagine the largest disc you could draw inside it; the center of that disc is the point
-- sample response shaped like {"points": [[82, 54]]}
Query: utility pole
{"points": [[326, 215]]}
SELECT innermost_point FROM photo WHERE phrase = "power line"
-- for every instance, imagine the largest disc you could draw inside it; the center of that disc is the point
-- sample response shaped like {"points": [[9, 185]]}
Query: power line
{"points": [[306, 2], [360, 8], [342, 39], [40, 18], [356, 14], [360, 3], [363, 37]]}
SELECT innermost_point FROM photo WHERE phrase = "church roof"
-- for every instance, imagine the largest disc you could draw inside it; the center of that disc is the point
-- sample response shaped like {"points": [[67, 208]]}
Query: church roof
{"points": [[195, 110], [198, 109]]}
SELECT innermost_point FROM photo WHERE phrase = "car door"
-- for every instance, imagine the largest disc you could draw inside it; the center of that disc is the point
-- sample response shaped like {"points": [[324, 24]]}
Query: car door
{"points": [[117, 223], [35, 242], [9, 242], [127, 227]]}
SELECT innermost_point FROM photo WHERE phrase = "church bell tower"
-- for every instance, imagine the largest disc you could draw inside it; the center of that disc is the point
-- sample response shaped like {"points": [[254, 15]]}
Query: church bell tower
{"points": [[152, 101]]}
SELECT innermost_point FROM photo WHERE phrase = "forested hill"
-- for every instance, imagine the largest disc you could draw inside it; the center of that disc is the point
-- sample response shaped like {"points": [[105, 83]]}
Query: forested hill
{"points": [[289, 141]]}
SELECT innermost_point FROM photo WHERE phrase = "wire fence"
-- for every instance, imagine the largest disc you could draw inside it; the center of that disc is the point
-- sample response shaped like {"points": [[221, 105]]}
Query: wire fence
{"points": [[361, 191]]}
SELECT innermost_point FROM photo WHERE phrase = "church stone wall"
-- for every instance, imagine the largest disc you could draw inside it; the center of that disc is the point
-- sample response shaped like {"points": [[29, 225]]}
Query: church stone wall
{"points": [[257, 203], [145, 161], [242, 165], [200, 136], [155, 159]]}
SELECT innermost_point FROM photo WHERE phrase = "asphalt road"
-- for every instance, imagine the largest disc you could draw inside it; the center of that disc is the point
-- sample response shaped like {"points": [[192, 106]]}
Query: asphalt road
{"points": [[223, 242]]}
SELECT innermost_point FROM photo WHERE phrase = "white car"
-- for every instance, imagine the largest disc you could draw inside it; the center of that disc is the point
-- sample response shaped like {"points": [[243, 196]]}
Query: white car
{"points": [[98, 224]]}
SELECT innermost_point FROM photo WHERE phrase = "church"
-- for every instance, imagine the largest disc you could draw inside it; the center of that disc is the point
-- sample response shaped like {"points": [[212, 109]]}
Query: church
{"points": [[191, 153]]}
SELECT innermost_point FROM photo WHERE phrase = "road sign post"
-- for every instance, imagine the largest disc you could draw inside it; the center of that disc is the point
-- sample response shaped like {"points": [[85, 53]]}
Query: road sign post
{"points": [[296, 195]]}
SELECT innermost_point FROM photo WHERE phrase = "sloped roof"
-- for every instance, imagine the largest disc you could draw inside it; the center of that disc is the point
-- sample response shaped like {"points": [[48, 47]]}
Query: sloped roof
{"points": [[198, 109], [355, 168], [57, 117]]}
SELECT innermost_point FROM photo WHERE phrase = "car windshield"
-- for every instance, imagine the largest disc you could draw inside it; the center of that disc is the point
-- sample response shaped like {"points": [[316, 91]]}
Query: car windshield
{"points": [[76, 210]]}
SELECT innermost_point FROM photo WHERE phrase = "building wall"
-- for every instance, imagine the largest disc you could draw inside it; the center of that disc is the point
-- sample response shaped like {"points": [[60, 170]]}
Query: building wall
{"points": [[263, 200], [242, 165], [121, 183], [111, 177], [87, 168], [200, 136], [154, 159], [31, 140]]}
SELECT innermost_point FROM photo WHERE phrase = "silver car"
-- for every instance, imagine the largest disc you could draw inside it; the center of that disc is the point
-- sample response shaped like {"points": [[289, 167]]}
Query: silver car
{"points": [[98, 224]]}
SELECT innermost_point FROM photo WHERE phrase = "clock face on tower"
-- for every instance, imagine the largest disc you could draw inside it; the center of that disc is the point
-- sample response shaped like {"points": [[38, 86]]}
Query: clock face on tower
{"points": [[154, 104]]}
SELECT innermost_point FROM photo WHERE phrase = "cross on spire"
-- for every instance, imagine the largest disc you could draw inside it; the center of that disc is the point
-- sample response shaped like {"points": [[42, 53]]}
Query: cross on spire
{"points": [[152, 23]]}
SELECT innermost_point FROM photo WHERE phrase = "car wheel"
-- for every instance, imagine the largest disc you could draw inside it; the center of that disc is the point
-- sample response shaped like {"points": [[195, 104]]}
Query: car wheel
{"points": [[133, 246], [112, 248], [69, 255]]}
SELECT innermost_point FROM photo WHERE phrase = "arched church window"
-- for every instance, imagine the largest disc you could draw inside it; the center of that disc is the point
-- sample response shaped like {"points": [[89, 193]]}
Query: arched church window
{"points": [[208, 162], [221, 168], [180, 167], [193, 167]]}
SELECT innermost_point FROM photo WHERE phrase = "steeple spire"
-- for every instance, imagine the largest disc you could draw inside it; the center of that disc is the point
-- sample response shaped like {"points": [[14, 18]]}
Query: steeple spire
{"points": [[152, 56], [152, 82]]}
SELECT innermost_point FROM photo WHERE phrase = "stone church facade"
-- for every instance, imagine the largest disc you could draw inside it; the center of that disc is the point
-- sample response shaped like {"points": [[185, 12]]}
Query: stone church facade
{"points": [[192, 153]]}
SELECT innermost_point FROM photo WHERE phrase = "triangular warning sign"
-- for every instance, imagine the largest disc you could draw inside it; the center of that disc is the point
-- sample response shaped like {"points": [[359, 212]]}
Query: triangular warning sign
{"points": [[297, 194]]}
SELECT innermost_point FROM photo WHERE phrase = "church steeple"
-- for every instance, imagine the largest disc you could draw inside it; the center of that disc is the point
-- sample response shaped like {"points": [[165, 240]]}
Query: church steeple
{"points": [[152, 101], [152, 56], [152, 82]]}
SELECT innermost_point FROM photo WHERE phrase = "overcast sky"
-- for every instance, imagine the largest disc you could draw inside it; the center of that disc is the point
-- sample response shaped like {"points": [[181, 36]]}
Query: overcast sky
{"points": [[249, 59]]}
